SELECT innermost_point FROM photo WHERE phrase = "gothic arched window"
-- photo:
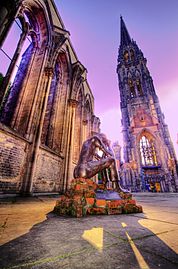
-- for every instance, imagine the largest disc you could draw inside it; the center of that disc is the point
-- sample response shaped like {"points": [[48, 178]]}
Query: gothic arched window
{"points": [[147, 152], [132, 88], [126, 56], [132, 55], [17, 62], [139, 87], [48, 125]]}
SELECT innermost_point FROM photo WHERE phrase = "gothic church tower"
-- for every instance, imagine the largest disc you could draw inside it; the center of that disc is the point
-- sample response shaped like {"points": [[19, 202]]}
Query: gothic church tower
{"points": [[150, 160]]}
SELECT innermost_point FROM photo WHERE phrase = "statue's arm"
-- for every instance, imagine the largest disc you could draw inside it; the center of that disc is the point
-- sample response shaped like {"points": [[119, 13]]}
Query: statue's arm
{"points": [[97, 157], [110, 151]]}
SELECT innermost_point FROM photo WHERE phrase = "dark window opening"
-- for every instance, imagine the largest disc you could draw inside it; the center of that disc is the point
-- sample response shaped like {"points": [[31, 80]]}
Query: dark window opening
{"points": [[16, 53], [132, 89], [126, 56], [48, 128], [139, 87], [132, 55]]}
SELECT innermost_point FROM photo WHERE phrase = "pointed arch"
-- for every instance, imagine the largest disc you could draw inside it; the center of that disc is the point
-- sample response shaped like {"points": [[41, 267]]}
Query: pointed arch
{"points": [[88, 112], [137, 73], [139, 87], [138, 83], [47, 132], [77, 79], [22, 94], [8, 10], [126, 56], [147, 149], [88, 103], [131, 88], [129, 75], [53, 125], [132, 54]]}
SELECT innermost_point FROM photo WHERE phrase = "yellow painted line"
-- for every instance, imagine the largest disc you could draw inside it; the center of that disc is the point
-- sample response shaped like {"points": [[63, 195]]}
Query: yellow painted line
{"points": [[142, 263]]}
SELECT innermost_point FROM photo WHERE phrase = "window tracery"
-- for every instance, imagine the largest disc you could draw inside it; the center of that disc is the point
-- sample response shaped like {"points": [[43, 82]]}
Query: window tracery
{"points": [[139, 87], [17, 67], [132, 55], [147, 152], [132, 88], [47, 133], [126, 56]]}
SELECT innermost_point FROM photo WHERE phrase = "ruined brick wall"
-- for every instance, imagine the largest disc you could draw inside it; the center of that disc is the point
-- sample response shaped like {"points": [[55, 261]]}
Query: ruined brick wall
{"points": [[38, 128], [48, 173], [12, 160]]}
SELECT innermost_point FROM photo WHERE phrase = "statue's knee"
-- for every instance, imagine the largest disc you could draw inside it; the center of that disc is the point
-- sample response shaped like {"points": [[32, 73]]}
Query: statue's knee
{"points": [[80, 172], [83, 174]]}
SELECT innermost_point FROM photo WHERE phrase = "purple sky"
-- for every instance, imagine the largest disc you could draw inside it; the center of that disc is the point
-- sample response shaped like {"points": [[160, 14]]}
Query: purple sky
{"points": [[95, 33]]}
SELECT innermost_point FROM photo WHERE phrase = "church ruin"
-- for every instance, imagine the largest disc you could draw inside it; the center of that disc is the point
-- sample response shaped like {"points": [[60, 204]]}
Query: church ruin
{"points": [[47, 109]]}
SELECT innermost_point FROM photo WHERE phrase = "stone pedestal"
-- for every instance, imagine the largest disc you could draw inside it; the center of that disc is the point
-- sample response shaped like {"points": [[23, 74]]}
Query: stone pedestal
{"points": [[85, 197]]}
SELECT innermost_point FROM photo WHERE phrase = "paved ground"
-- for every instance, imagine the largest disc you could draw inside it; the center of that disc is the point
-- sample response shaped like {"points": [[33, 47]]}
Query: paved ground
{"points": [[31, 237]]}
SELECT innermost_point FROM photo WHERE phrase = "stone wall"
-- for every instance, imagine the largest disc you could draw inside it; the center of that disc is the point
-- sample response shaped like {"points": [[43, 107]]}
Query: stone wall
{"points": [[12, 159], [40, 120], [48, 172]]}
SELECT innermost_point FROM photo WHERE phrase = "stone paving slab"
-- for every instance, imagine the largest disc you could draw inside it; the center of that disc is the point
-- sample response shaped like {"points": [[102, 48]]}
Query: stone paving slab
{"points": [[32, 237]]}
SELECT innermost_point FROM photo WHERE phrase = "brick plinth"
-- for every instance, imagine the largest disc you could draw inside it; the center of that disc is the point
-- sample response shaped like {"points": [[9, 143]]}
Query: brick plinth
{"points": [[81, 200]]}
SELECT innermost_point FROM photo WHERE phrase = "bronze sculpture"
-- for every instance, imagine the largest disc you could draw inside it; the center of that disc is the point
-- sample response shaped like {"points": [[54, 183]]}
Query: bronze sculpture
{"points": [[90, 162]]}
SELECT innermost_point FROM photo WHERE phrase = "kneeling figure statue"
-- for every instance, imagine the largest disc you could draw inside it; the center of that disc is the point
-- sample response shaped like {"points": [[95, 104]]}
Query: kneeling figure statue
{"points": [[90, 162]]}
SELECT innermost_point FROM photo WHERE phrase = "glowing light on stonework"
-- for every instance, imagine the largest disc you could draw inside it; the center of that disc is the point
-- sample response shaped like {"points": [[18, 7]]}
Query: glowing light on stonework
{"points": [[99, 152], [147, 150]]}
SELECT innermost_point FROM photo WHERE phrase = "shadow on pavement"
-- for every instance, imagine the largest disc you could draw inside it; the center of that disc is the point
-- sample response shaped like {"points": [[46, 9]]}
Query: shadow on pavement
{"points": [[107, 242]]}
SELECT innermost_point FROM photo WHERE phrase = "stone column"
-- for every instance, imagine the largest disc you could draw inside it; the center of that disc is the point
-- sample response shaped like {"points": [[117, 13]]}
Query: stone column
{"points": [[168, 179], [30, 131], [28, 183], [84, 127], [81, 128], [7, 78], [68, 172], [89, 126]]}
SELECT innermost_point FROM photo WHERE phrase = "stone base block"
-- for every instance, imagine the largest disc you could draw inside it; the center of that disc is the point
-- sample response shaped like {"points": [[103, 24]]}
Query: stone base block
{"points": [[81, 200]]}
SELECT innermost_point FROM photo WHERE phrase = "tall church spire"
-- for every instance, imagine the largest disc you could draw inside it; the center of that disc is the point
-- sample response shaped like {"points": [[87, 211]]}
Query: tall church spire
{"points": [[148, 149], [125, 37]]}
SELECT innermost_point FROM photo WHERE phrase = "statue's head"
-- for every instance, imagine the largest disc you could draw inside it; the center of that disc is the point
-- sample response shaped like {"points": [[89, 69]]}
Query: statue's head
{"points": [[104, 139]]}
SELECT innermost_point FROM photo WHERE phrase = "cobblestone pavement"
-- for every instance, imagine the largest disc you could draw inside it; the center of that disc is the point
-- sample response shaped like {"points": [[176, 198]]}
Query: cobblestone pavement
{"points": [[32, 237]]}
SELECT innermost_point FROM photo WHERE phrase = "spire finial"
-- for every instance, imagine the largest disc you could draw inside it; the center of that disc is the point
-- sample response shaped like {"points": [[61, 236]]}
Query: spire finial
{"points": [[125, 37]]}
